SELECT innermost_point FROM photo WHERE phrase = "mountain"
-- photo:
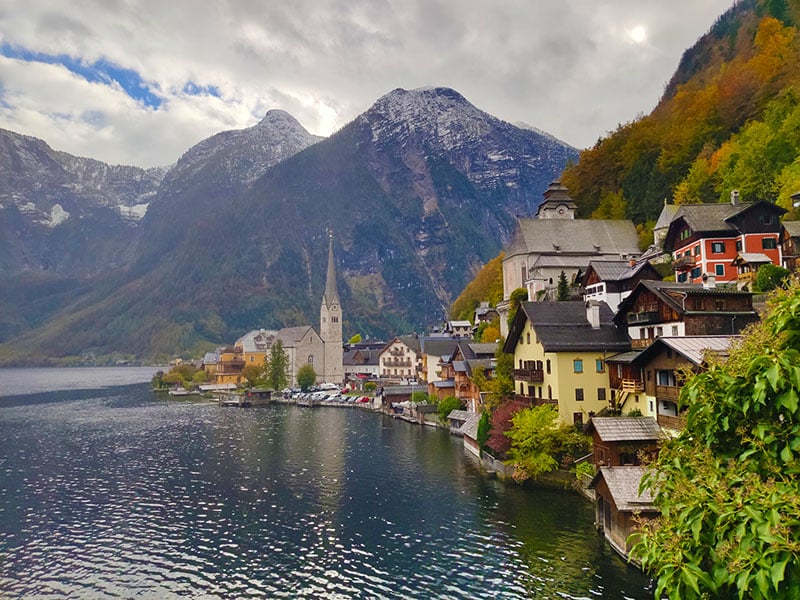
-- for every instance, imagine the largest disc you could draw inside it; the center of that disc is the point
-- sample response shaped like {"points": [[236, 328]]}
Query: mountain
{"points": [[419, 191], [728, 120]]}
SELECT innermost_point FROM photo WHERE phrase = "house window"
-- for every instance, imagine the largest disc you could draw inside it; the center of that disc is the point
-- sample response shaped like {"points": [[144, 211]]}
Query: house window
{"points": [[681, 277], [719, 270], [601, 394], [252, 358], [548, 366], [659, 331], [674, 330], [311, 359], [528, 338], [697, 250], [696, 272], [577, 419], [768, 243], [598, 365], [686, 233], [718, 247], [579, 394], [549, 392], [719, 304], [738, 245], [577, 365]]}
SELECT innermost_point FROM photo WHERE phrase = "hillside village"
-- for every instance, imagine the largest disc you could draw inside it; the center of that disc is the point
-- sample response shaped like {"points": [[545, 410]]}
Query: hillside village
{"points": [[610, 357]]}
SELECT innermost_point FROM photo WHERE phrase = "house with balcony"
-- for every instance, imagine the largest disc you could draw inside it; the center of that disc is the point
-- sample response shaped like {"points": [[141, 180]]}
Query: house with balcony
{"points": [[706, 239], [664, 364], [400, 360], [664, 308], [560, 351], [468, 358], [611, 281]]}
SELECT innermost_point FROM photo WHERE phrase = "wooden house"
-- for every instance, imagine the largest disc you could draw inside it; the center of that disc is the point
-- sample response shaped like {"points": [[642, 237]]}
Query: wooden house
{"points": [[661, 308], [611, 281], [618, 503], [621, 441], [790, 244]]}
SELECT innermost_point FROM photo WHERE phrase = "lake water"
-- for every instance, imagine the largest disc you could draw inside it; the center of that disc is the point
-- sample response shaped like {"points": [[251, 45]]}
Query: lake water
{"points": [[117, 492]]}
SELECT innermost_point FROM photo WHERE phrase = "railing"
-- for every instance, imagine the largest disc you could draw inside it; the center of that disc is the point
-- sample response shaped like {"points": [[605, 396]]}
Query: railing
{"points": [[670, 422], [632, 385], [645, 316], [397, 352], [748, 276], [534, 401], [530, 375], [668, 392], [684, 263]]}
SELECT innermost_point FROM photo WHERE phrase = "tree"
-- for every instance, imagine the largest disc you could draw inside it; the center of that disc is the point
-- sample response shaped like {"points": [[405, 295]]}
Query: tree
{"points": [[728, 486], [769, 277], [562, 292], [199, 377], [276, 368], [252, 373], [448, 405], [539, 444], [306, 377], [517, 296], [501, 386], [484, 425], [420, 397], [355, 339], [498, 441]]}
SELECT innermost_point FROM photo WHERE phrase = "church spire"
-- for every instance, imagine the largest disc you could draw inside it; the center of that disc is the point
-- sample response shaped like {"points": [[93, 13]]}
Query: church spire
{"points": [[331, 295]]}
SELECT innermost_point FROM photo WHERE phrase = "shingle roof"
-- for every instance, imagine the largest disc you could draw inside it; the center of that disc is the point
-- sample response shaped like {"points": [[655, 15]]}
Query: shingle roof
{"points": [[692, 348], [257, 340], [615, 270], [211, 358], [792, 228], [459, 415], [666, 216], [623, 485], [289, 336], [482, 349], [470, 426], [622, 429], [582, 236], [563, 326], [438, 346], [480, 363], [710, 217], [753, 258], [411, 341]]}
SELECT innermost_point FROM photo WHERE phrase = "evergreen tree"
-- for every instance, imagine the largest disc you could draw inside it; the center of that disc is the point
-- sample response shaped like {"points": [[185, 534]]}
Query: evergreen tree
{"points": [[562, 292], [277, 367]]}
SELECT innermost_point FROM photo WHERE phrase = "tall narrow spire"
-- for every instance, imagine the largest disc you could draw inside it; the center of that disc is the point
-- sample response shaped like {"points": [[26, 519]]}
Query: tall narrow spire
{"points": [[331, 295]]}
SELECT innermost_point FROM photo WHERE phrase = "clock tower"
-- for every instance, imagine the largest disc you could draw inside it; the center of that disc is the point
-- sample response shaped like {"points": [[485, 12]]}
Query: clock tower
{"points": [[557, 203]]}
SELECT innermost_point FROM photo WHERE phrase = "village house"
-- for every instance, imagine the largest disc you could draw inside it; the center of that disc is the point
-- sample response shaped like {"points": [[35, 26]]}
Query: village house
{"points": [[360, 361], [663, 365], [619, 503], [468, 358], [434, 351], [790, 245], [620, 441], [400, 360], [611, 281], [720, 240], [458, 329], [555, 241], [560, 351], [662, 308], [485, 314]]}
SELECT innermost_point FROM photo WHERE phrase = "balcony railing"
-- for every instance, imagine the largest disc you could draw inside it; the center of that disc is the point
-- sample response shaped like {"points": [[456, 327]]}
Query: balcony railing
{"points": [[529, 375], [684, 263], [632, 385], [534, 401], [645, 316], [670, 422], [668, 392]]}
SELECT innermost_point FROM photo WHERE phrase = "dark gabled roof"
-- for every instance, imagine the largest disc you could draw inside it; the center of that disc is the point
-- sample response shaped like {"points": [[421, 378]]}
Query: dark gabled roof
{"points": [[792, 228], [574, 236], [714, 218], [692, 348], [626, 429], [438, 346], [623, 485], [617, 270], [662, 288], [563, 326], [480, 364], [482, 350]]}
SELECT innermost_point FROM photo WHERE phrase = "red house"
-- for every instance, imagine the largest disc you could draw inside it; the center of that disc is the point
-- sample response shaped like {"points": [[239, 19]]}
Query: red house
{"points": [[712, 240]]}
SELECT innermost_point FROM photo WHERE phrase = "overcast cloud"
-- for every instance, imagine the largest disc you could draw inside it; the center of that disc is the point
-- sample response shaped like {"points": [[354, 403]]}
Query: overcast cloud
{"points": [[140, 81]]}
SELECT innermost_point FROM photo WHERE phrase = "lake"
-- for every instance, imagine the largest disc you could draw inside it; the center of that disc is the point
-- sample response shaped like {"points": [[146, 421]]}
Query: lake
{"points": [[117, 492]]}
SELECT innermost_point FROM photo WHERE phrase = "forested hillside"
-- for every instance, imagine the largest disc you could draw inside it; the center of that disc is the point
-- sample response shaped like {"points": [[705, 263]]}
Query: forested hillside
{"points": [[729, 119]]}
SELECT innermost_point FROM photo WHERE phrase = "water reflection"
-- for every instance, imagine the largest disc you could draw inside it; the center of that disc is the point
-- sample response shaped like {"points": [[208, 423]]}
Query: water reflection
{"points": [[121, 494]]}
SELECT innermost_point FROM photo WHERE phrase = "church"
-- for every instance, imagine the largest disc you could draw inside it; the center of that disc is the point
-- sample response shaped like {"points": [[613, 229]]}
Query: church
{"points": [[302, 345]]}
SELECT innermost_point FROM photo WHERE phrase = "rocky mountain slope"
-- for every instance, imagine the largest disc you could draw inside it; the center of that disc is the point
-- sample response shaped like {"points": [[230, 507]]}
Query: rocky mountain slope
{"points": [[419, 191]]}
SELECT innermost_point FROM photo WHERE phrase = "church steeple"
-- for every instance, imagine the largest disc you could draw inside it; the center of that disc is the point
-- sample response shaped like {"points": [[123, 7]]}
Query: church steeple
{"points": [[331, 295], [330, 324]]}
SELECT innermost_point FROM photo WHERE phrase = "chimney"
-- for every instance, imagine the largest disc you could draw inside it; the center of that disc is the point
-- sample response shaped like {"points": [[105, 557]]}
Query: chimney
{"points": [[709, 281], [632, 263], [593, 314], [735, 197]]}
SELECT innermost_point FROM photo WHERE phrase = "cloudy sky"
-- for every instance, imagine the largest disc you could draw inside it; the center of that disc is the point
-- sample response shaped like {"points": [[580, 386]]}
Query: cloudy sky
{"points": [[140, 81]]}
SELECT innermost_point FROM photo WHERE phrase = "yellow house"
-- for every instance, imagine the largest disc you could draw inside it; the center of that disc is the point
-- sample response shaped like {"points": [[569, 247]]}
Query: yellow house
{"points": [[560, 349]]}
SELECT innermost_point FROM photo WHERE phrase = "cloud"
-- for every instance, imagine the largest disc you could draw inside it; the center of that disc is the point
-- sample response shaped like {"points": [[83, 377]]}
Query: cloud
{"points": [[140, 82]]}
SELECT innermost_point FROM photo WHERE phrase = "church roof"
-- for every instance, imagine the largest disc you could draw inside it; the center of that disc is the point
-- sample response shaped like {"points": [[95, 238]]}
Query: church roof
{"points": [[574, 236]]}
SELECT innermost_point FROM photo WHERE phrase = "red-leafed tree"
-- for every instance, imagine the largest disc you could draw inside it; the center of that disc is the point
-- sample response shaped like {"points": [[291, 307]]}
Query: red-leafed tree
{"points": [[499, 443]]}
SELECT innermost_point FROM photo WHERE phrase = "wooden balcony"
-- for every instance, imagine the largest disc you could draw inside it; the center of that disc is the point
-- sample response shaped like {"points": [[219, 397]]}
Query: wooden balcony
{"points": [[632, 385], [747, 277], [670, 422], [529, 375], [645, 316], [534, 401], [668, 392], [684, 263]]}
